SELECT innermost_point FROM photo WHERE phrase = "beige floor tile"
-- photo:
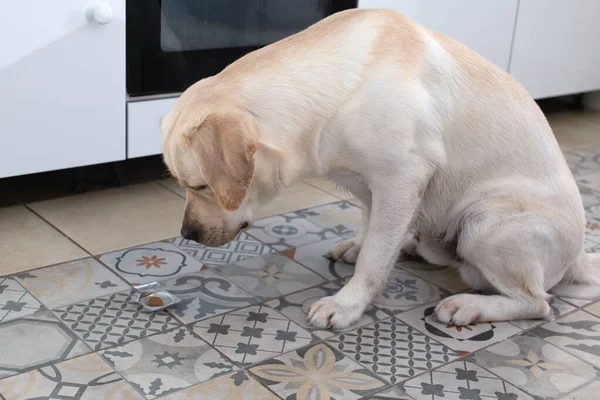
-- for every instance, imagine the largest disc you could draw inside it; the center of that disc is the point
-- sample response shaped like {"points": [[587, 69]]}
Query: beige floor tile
{"points": [[330, 187], [117, 218], [297, 197], [27, 242], [575, 129]]}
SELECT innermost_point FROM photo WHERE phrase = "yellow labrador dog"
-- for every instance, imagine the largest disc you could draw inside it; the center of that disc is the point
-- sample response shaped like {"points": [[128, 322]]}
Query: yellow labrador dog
{"points": [[441, 146]]}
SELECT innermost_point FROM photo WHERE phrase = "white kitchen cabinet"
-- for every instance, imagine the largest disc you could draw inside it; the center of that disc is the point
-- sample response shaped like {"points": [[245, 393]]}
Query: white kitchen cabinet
{"points": [[143, 126], [556, 49], [485, 26], [62, 85]]}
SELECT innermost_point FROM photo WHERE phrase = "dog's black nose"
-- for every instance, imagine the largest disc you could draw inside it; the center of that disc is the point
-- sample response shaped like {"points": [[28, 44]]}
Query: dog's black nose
{"points": [[190, 233]]}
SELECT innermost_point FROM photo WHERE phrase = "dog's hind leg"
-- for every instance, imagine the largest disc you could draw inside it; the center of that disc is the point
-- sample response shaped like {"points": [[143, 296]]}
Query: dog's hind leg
{"points": [[520, 258]]}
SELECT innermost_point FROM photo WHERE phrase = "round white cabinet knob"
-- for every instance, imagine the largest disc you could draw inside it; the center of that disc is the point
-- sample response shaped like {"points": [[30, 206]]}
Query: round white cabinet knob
{"points": [[100, 13]]}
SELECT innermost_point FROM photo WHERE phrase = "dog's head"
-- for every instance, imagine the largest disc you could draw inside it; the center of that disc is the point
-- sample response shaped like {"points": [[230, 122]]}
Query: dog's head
{"points": [[213, 154]]}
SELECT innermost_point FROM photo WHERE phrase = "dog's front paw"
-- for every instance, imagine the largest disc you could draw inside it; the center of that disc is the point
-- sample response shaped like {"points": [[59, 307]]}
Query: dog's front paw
{"points": [[346, 251], [458, 310], [329, 313]]}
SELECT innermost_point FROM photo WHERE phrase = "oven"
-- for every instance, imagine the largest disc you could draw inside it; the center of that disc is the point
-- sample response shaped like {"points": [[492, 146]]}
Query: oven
{"points": [[173, 43]]}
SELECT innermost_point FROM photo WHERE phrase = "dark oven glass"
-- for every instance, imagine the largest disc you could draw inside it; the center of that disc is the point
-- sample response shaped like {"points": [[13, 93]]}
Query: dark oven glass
{"points": [[173, 43]]}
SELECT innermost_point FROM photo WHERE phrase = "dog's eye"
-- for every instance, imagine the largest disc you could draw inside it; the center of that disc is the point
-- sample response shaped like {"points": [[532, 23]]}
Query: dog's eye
{"points": [[201, 187]]}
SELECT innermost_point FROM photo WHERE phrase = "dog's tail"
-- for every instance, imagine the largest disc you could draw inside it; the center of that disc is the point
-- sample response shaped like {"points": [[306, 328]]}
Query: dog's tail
{"points": [[582, 278], [586, 270]]}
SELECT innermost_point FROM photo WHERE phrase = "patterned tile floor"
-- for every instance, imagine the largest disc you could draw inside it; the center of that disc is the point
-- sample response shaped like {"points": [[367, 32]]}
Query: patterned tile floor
{"points": [[72, 331]]}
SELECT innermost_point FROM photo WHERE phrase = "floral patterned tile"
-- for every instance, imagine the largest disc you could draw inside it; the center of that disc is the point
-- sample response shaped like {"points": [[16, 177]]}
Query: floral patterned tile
{"points": [[205, 294], [316, 257], [83, 378], [463, 380], [270, 276], [235, 386], [393, 350], [241, 248], [316, 372], [588, 392], [35, 341], [558, 308], [577, 333], [462, 339], [393, 393], [15, 301], [405, 291], [583, 161], [578, 295], [112, 320], [72, 282], [164, 363], [594, 309], [252, 334], [592, 229], [288, 230], [536, 366], [445, 277], [295, 307], [151, 262], [342, 218]]}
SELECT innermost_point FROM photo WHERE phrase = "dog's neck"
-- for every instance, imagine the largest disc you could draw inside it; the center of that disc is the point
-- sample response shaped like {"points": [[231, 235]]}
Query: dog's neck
{"points": [[294, 131]]}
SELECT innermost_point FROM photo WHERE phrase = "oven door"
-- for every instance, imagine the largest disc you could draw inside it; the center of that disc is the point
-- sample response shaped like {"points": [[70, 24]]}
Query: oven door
{"points": [[173, 43]]}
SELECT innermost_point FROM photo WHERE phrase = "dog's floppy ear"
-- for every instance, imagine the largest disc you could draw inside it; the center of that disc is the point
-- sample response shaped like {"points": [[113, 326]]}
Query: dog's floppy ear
{"points": [[224, 145]]}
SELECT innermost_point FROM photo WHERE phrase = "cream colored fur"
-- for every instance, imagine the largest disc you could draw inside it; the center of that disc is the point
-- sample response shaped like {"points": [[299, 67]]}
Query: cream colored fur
{"points": [[431, 137]]}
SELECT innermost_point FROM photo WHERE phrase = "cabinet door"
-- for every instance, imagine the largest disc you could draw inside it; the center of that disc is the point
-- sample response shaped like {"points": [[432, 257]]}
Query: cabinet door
{"points": [[484, 26], [556, 49], [62, 85]]}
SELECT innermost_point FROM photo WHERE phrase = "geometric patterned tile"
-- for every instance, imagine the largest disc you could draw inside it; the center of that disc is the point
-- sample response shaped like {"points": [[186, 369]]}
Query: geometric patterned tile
{"points": [[535, 366], [462, 339], [164, 363], [405, 291], [583, 161], [270, 276], [235, 386], [316, 372], [112, 320], [557, 308], [205, 294], [393, 350], [151, 262], [295, 306], [577, 333], [35, 341], [315, 256], [83, 378], [462, 380], [252, 334], [72, 282], [241, 248], [342, 218], [393, 393], [15, 301], [288, 230]]}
